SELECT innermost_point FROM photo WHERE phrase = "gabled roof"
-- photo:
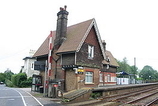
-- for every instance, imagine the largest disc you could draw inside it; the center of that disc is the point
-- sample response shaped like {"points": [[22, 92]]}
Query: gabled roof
{"points": [[43, 49], [112, 61], [76, 35]]}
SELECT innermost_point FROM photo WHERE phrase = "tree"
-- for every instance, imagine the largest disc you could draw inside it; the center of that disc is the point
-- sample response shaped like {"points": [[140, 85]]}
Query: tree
{"points": [[2, 77], [20, 80], [21, 77], [133, 70], [148, 73], [8, 74], [124, 66]]}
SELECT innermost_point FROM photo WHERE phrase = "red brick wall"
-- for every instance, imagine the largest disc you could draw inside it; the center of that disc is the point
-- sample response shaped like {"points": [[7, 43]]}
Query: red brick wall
{"points": [[76, 81], [70, 80]]}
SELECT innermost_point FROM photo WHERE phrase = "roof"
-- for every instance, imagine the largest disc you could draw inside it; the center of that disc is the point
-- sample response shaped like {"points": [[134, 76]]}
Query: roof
{"points": [[112, 61], [28, 58], [43, 49], [76, 34]]}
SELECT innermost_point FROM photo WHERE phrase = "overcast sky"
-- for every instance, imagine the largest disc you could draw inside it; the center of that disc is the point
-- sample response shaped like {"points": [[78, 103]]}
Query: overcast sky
{"points": [[129, 27]]}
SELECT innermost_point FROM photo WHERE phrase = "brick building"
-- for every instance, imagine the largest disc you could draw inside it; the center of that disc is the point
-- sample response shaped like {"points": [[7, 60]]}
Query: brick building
{"points": [[79, 57]]}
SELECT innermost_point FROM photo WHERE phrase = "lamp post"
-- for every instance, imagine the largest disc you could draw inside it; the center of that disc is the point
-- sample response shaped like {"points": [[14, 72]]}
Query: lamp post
{"points": [[149, 78]]}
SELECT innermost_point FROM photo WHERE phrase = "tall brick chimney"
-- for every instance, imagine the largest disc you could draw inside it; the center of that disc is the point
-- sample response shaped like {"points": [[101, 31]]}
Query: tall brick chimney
{"points": [[61, 28]]}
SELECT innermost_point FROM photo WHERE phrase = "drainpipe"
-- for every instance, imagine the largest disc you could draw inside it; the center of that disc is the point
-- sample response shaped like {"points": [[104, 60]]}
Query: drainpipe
{"points": [[56, 65]]}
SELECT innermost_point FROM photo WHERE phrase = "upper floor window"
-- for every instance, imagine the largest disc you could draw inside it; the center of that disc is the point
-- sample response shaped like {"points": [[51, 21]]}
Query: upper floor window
{"points": [[90, 52], [32, 66]]}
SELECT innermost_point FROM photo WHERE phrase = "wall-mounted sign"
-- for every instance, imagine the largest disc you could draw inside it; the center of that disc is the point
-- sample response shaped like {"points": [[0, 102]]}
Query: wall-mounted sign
{"points": [[80, 70]]}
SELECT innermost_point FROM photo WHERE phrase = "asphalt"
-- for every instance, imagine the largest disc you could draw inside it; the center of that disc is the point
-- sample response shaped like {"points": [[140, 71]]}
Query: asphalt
{"points": [[57, 101], [46, 101]]}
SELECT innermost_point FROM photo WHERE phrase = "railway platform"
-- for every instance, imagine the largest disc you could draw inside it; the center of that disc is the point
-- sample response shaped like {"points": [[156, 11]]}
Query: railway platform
{"points": [[107, 91]]}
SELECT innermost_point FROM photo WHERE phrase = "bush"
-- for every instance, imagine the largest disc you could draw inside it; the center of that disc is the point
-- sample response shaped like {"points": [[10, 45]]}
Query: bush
{"points": [[21, 77], [14, 79], [9, 83], [20, 80], [2, 77], [95, 95], [26, 83]]}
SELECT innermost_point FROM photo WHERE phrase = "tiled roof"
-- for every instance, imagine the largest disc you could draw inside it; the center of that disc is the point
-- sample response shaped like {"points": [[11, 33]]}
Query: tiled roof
{"points": [[43, 49], [75, 34], [112, 61]]}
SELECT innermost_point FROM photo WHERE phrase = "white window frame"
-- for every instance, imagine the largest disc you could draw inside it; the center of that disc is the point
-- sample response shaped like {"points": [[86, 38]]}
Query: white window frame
{"points": [[108, 78], [89, 77], [100, 77], [90, 52]]}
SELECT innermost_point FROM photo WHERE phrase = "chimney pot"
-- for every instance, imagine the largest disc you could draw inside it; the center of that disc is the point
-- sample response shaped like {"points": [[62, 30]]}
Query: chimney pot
{"points": [[61, 8], [65, 7]]}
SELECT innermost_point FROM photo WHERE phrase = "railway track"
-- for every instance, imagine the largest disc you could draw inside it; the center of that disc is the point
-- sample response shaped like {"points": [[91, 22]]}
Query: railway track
{"points": [[146, 97], [141, 97], [153, 102]]}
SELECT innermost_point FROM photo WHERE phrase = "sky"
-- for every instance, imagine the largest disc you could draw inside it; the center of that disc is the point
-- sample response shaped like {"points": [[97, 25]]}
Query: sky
{"points": [[129, 27]]}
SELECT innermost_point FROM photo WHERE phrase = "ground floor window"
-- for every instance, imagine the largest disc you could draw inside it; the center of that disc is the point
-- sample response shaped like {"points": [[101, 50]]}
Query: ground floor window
{"points": [[89, 77], [109, 78], [101, 77]]}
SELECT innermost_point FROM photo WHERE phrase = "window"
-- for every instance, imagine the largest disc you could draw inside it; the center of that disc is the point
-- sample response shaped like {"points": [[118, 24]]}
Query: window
{"points": [[89, 77], [101, 77], [109, 78], [32, 66], [90, 52]]}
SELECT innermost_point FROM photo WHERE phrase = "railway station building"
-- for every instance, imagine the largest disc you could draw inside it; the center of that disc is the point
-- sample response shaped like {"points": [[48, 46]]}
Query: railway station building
{"points": [[78, 56]]}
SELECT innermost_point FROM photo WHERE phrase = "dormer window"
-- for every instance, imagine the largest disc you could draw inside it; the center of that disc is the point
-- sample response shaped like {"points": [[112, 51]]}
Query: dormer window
{"points": [[90, 52]]}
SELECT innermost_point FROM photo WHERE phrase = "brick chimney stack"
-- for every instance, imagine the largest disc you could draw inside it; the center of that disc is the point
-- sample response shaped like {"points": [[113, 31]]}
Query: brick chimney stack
{"points": [[61, 28]]}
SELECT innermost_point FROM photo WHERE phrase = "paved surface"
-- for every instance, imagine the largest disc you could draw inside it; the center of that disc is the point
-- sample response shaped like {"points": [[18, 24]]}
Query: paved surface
{"points": [[23, 97]]}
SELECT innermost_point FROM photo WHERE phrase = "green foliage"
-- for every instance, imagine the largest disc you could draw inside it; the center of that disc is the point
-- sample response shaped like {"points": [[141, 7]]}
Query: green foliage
{"points": [[14, 80], [65, 100], [148, 73], [8, 74], [6, 77], [21, 77], [9, 83], [95, 95], [124, 66], [20, 80], [2, 77], [26, 83]]}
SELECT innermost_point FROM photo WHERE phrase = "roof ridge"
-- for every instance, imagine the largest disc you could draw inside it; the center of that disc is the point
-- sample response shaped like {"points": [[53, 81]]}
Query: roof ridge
{"points": [[80, 22]]}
